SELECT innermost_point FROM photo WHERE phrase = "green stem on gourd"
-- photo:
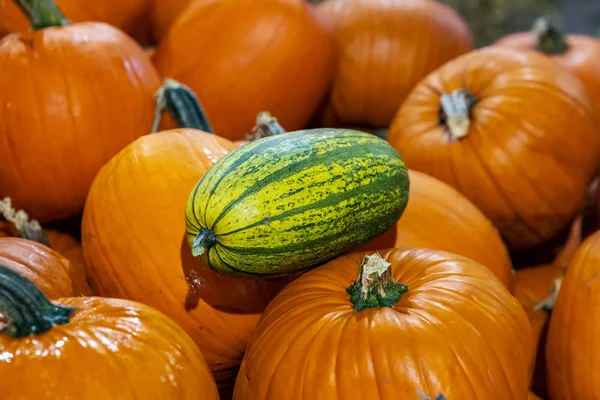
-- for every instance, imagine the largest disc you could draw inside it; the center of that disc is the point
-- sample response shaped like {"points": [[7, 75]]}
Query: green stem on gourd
{"points": [[182, 104], [29, 229], [204, 240], [42, 13], [266, 125], [455, 112], [549, 38], [25, 308], [547, 305], [375, 286], [425, 397]]}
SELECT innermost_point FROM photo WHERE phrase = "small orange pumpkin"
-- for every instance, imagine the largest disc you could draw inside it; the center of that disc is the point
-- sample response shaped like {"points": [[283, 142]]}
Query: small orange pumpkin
{"points": [[578, 53], [326, 337], [15, 223], [386, 48], [275, 56], [477, 124], [88, 87], [440, 218], [96, 348], [164, 14]]}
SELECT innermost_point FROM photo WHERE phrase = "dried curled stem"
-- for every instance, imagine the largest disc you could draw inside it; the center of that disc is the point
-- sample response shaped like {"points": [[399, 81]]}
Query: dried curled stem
{"points": [[28, 228]]}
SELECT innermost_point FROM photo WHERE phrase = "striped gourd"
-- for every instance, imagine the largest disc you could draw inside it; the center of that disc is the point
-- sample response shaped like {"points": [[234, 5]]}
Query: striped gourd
{"points": [[289, 202]]}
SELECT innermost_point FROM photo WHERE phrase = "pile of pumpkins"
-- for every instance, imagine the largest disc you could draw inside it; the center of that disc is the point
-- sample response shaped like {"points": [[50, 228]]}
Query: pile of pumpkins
{"points": [[246, 233]]}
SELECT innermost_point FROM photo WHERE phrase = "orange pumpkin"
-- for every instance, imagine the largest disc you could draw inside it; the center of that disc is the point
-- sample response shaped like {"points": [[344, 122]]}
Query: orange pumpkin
{"points": [[165, 13], [386, 48], [478, 124], [46, 268], [88, 87], [96, 348], [571, 353], [532, 397], [273, 56], [578, 53], [125, 15], [440, 218], [133, 237], [449, 327], [15, 223]]}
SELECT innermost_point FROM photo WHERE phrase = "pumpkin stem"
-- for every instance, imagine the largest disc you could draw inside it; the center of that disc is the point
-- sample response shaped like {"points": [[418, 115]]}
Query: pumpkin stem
{"points": [[266, 125], [42, 13], [549, 38], [375, 286], [25, 308], [425, 397], [182, 104], [29, 229], [547, 304], [455, 112], [204, 240]]}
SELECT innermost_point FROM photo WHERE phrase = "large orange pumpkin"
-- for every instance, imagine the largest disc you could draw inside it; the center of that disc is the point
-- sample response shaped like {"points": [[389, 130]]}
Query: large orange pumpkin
{"points": [[125, 15], [164, 13], [386, 48], [572, 355], [440, 218], [133, 237], [579, 53], [448, 327], [93, 348], [513, 131], [46, 268], [15, 223], [274, 56], [71, 97]]}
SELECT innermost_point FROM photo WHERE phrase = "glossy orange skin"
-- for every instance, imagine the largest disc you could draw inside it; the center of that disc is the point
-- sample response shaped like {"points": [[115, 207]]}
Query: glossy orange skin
{"points": [[386, 48], [527, 167], [110, 350], [457, 331], [164, 14], [67, 247], [70, 98], [572, 353], [440, 218], [274, 56], [581, 58], [133, 239], [125, 15], [47, 269]]}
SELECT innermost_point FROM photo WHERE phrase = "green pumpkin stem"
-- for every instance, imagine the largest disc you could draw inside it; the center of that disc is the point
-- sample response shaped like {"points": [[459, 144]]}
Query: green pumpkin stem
{"points": [[29, 229], [204, 240], [266, 125], [182, 104], [455, 112], [549, 38], [42, 13], [425, 397], [25, 308], [375, 286]]}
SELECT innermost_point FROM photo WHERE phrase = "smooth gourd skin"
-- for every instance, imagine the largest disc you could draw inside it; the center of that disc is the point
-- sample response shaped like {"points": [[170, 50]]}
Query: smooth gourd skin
{"points": [[133, 236], [440, 218], [532, 147], [47, 269], [457, 331], [110, 350], [285, 203], [125, 15], [386, 48], [581, 58], [164, 14], [242, 57], [70, 98], [572, 351]]}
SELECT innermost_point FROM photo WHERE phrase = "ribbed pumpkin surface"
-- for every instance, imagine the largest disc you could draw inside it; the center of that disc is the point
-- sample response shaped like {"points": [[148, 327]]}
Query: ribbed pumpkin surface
{"points": [[289, 202]]}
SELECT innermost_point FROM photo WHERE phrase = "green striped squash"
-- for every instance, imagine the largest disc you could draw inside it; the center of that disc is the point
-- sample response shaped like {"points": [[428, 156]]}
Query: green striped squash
{"points": [[292, 201]]}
